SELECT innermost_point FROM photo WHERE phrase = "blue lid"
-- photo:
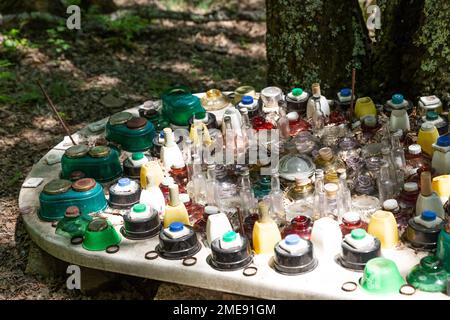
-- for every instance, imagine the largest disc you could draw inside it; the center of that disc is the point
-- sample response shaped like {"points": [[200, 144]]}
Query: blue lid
{"points": [[443, 141], [247, 100], [428, 215], [161, 134], [123, 182], [176, 226], [397, 98], [292, 239], [345, 92]]}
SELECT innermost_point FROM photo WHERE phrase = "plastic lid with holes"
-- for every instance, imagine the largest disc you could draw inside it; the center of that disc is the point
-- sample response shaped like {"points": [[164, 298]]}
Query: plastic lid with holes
{"points": [[432, 115], [345, 92], [247, 100], [137, 156], [397, 98], [123, 182], [176, 227], [415, 149], [229, 236], [139, 208], [292, 239], [443, 141], [428, 215], [411, 186], [390, 204], [358, 234]]}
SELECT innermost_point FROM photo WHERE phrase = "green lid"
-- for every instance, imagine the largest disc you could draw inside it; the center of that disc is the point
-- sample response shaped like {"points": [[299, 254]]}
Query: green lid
{"points": [[140, 207], [381, 276], [358, 234], [137, 156], [297, 91], [429, 275], [229, 236], [432, 115]]}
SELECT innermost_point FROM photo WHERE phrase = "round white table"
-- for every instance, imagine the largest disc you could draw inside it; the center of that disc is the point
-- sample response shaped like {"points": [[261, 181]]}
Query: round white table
{"points": [[324, 282]]}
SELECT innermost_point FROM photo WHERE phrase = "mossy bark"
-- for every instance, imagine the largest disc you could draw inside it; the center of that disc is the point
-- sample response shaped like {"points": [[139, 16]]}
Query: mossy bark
{"points": [[320, 40], [315, 41]]}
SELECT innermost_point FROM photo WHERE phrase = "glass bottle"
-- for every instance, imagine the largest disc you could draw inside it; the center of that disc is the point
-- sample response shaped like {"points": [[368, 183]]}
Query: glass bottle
{"points": [[242, 141], [302, 189], [401, 216], [262, 187], [386, 185], [408, 197], [345, 196], [416, 162], [331, 200], [319, 195], [247, 198], [398, 156], [211, 185], [387, 156], [329, 163], [198, 181], [300, 225], [283, 122], [276, 200], [180, 176], [350, 221], [227, 189]]}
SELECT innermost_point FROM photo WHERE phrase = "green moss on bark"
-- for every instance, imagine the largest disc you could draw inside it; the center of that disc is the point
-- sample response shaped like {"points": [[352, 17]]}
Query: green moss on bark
{"points": [[314, 41]]}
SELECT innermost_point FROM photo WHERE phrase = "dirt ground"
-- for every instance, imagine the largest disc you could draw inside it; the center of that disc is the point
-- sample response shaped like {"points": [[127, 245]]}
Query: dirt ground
{"points": [[91, 74]]}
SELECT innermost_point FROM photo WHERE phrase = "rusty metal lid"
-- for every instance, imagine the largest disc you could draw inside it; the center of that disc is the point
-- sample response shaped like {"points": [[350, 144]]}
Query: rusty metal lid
{"points": [[72, 212], [77, 175], [120, 118], [98, 225], [136, 123], [78, 151], [83, 184], [100, 151], [57, 186]]}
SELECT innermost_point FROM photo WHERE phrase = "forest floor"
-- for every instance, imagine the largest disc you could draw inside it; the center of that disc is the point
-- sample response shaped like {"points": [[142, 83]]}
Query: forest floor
{"points": [[104, 68]]}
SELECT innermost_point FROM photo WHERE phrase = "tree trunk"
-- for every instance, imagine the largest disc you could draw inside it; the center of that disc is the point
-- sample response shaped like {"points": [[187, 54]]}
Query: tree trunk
{"points": [[320, 41], [315, 41]]}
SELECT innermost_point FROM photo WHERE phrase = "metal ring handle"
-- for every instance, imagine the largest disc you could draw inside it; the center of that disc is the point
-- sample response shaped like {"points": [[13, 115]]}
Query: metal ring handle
{"points": [[76, 240], [193, 260], [250, 271], [112, 249], [151, 255], [349, 286], [404, 290]]}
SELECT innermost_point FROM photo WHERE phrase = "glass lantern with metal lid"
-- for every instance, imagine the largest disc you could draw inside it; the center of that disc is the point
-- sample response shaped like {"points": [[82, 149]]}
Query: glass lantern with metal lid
{"points": [[101, 235], [59, 194], [131, 133], [100, 163]]}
